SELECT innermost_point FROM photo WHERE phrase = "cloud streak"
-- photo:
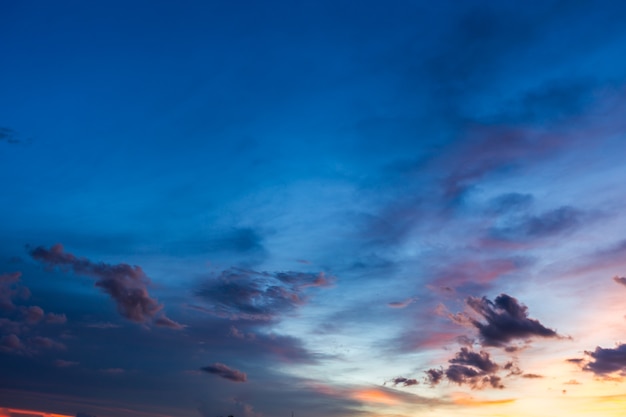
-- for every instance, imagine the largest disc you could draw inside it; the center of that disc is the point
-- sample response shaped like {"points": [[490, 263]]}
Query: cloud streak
{"points": [[225, 372]]}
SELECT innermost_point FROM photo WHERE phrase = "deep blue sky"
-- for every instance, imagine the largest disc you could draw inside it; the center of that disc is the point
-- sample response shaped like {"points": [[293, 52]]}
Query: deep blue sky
{"points": [[342, 208]]}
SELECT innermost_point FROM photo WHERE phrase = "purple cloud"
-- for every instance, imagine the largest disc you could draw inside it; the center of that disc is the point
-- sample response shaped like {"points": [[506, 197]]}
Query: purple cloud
{"points": [[607, 360], [225, 372], [125, 284]]}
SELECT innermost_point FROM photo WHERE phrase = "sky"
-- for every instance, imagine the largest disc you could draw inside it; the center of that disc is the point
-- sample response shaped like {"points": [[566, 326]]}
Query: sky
{"points": [[329, 208]]}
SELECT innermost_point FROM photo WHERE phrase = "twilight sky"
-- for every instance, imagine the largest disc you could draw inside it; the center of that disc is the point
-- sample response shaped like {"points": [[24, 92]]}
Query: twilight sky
{"points": [[335, 208]]}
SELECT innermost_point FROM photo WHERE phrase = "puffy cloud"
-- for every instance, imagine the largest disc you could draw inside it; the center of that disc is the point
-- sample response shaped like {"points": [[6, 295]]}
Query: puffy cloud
{"points": [[225, 372], [480, 360], [33, 314], [241, 294], [505, 320], [434, 376], [605, 361], [125, 284]]}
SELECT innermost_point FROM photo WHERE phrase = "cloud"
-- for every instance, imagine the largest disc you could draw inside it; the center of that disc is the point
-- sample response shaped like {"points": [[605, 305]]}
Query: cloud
{"points": [[225, 372], [240, 294], [550, 223], [405, 382], [505, 320], [53, 318], [60, 363], [434, 376], [402, 304], [125, 284], [9, 136], [605, 361], [620, 280], [9, 289], [480, 360], [47, 343]]}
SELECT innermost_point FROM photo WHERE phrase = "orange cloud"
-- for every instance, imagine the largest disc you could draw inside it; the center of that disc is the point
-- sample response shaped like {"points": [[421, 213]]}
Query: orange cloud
{"points": [[372, 395], [467, 400]]}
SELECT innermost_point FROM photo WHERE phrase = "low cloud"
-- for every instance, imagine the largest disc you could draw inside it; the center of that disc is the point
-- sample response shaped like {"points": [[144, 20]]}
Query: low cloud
{"points": [[125, 284], [225, 372]]}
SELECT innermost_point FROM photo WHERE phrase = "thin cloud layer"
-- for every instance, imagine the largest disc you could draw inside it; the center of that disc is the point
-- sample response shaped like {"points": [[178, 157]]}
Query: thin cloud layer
{"points": [[225, 372], [125, 284]]}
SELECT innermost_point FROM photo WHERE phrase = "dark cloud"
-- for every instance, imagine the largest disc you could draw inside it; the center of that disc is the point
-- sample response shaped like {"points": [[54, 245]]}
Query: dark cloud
{"points": [[125, 284], [241, 294], [434, 376], [226, 372], [405, 382], [505, 320], [480, 360], [607, 360], [620, 280], [474, 369], [9, 136], [532, 376]]}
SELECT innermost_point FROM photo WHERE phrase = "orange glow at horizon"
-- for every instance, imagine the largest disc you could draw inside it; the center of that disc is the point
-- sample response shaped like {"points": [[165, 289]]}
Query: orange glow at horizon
{"points": [[21, 412]]}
